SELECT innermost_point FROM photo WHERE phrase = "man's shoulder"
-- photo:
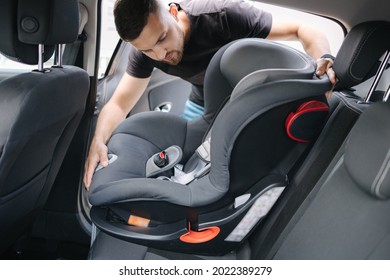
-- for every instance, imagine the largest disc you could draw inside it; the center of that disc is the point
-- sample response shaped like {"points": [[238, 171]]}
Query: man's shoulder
{"points": [[199, 7]]}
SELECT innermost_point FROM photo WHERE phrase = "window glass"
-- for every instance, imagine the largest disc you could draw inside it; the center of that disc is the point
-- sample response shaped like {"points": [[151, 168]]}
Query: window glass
{"points": [[331, 29], [8, 64], [109, 36]]}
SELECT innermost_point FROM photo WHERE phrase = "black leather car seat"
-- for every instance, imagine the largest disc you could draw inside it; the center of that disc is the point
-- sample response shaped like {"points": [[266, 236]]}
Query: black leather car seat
{"points": [[40, 110], [250, 148]]}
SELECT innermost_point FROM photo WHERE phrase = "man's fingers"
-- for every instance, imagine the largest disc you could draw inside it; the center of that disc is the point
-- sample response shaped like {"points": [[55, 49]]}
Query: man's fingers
{"points": [[92, 162], [321, 68], [89, 170], [331, 75], [325, 66], [103, 159]]}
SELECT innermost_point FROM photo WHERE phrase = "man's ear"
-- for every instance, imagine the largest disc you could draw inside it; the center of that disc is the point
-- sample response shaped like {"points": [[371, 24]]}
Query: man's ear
{"points": [[173, 10]]}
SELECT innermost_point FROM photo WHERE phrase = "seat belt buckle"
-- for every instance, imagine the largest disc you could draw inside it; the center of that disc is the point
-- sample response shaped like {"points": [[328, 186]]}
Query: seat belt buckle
{"points": [[203, 151]]}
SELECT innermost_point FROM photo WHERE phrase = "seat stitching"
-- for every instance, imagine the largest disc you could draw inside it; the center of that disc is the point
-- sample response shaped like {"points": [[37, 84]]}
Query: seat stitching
{"points": [[382, 173], [348, 104], [360, 47]]}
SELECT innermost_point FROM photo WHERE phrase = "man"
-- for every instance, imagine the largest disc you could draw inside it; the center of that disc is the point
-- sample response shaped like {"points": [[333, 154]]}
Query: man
{"points": [[181, 39]]}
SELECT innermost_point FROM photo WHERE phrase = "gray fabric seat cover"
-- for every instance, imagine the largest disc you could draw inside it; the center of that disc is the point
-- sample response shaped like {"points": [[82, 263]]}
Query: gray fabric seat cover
{"points": [[142, 135], [40, 111]]}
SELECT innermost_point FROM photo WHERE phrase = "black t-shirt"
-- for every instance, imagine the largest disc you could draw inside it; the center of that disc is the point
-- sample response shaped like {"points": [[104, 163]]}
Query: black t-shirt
{"points": [[213, 24]]}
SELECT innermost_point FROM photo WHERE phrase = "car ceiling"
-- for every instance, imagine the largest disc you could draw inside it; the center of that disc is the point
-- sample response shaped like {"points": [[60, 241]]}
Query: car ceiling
{"points": [[348, 12]]}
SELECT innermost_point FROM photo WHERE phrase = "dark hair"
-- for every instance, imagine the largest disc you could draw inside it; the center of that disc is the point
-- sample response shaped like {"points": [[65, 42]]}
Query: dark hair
{"points": [[131, 16]]}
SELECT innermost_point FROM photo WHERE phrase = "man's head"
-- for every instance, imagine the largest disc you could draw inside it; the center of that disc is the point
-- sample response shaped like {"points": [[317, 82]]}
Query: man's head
{"points": [[151, 28], [131, 16]]}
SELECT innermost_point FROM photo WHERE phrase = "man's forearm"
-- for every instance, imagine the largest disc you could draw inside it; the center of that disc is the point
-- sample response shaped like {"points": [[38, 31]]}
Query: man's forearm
{"points": [[313, 41], [109, 119]]}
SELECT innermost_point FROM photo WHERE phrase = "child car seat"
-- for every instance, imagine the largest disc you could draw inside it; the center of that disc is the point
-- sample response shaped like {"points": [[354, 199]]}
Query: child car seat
{"points": [[165, 187]]}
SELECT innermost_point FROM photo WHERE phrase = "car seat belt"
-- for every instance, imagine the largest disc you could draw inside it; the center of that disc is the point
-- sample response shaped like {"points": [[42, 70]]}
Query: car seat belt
{"points": [[72, 50], [202, 166]]}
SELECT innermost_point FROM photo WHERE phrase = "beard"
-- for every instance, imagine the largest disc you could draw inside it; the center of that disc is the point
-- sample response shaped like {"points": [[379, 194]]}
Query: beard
{"points": [[174, 57]]}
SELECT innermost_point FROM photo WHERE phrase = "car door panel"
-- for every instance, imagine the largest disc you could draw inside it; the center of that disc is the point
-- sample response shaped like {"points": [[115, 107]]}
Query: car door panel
{"points": [[164, 92]]}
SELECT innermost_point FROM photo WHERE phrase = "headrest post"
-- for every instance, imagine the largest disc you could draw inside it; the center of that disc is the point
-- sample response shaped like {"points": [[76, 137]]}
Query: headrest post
{"points": [[41, 50], [59, 55], [387, 94], [378, 75]]}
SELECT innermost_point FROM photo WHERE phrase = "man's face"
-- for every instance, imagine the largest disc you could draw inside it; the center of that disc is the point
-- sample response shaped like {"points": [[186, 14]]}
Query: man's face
{"points": [[161, 39]]}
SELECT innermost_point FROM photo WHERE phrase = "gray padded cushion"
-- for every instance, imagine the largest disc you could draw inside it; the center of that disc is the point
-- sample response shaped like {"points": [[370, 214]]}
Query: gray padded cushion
{"points": [[261, 54], [25, 121], [232, 119], [367, 155], [361, 49], [209, 188], [134, 141], [200, 192], [255, 54]]}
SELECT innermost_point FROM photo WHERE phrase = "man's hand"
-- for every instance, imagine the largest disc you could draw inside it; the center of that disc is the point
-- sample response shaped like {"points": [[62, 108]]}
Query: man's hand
{"points": [[325, 66], [97, 154]]}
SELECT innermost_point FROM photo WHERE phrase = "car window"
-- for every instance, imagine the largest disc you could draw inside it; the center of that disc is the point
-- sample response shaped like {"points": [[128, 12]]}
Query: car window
{"points": [[330, 28], [110, 38], [7, 64]]}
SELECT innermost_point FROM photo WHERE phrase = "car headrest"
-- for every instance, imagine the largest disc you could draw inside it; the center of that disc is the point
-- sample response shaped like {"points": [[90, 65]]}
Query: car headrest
{"points": [[359, 54], [26, 23], [247, 62], [258, 54], [367, 153]]}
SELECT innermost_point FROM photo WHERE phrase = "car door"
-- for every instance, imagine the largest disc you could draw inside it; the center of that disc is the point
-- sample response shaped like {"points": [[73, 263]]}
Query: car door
{"points": [[164, 93]]}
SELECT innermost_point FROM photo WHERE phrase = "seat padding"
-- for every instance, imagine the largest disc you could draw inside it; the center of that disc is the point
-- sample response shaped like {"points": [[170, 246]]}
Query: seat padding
{"points": [[367, 155], [368, 41], [40, 110], [249, 147]]}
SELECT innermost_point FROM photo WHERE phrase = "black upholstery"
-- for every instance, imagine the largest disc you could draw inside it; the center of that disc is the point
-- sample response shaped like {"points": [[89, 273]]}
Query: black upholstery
{"points": [[40, 110], [353, 67], [368, 167]]}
